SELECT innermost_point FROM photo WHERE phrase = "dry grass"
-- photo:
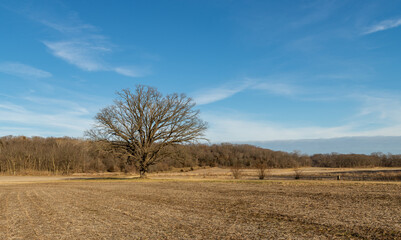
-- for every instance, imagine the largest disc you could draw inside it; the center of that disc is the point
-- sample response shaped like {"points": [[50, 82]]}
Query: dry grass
{"points": [[309, 173], [218, 209]]}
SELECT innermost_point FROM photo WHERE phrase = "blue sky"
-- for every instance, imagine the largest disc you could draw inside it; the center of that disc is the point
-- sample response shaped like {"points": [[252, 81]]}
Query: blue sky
{"points": [[258, 70]]}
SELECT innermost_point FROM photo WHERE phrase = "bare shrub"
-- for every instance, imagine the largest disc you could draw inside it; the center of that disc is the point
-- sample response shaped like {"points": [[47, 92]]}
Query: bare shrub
{"points": [[236, 171], [297, 173], [263, 171]]}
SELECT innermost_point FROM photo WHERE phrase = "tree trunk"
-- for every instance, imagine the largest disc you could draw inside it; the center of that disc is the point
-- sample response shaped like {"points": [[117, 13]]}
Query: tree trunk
{"points": [[143, 166], [142, 173]]}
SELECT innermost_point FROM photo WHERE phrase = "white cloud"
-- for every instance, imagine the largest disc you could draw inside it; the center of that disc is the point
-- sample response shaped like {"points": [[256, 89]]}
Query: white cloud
{"points": [[68, 29], [378, 114], [88, 55], [23, 131], [44, 117], [382, 109], [277, 88], [81, 54], [57, 104], [238, 128], [82, 44], [384, 25], [11, 107], [22, 70], [241, 129], [131, 71], [217, 94]]}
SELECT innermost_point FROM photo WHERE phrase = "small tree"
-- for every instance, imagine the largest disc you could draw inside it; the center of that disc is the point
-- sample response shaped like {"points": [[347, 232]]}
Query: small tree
{"points": [[262, 170], [236, 171], [297, 173], [145, 122]]}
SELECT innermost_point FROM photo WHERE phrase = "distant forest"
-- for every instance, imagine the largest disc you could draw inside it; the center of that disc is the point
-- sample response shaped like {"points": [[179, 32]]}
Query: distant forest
{"points": [[23, 155]]}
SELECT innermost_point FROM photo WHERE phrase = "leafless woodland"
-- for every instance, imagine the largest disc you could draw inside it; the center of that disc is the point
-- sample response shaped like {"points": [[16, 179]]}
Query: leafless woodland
{"points": [[36, 155]]}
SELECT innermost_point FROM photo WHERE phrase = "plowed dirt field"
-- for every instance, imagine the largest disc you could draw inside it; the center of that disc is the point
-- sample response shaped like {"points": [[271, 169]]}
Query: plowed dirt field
{"points": [[177, 209]]}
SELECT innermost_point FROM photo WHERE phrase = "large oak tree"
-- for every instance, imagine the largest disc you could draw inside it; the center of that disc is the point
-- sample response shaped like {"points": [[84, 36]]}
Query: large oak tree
{"points": [[145, 122]]}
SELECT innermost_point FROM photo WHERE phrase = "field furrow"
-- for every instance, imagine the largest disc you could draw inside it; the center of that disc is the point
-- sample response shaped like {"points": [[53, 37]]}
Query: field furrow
{"points": [[79, 217], [4, 216], [199, 210], [23, 219]]}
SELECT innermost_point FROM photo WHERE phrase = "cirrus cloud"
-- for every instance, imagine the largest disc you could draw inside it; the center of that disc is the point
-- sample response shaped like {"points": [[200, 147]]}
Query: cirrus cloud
{"points": [[383, 25], [23, 70]]}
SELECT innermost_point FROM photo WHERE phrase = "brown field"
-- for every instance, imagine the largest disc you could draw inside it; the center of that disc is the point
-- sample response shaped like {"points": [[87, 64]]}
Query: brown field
{"points": [[199, 209]]}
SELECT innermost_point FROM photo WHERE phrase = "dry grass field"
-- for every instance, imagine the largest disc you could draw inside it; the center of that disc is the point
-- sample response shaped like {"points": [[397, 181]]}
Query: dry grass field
{"points": [[199, 209], [306, 173]]}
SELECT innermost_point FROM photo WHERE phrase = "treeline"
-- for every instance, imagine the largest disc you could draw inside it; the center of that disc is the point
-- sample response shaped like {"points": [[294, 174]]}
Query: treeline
{"points": [[227, 155], [56, 155], [336, 160], [22, 155]]}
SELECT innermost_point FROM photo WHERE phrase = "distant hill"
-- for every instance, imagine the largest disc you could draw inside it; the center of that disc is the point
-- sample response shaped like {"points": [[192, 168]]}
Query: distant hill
{"points": [[361, 145]]}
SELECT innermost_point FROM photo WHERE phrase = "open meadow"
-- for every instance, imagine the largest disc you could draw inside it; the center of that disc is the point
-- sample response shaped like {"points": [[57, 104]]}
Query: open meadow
{"points": [[198, 209]]}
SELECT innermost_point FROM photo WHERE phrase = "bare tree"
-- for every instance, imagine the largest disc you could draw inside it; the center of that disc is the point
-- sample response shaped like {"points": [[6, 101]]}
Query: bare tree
{"points": [[236, 170], [145, 122], [297, 173], [263, 171]]}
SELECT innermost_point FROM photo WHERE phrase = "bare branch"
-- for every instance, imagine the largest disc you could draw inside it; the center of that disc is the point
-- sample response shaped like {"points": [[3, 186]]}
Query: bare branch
{"points": [[145, 122]]}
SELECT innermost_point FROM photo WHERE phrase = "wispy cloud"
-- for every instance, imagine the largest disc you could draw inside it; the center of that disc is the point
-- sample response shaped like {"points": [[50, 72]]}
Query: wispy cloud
{"points": [[132, 71], [383, 25], [23, 70], [384, 109], [82, 54], [217, 94], [56, 104], [374, 114], [315, 11], [12, 107], [35, 116], [81, 44], [24, 131], [214, 95], [76, 28], [240, 128], [87, 54], [277, 88], [228, 90]]}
